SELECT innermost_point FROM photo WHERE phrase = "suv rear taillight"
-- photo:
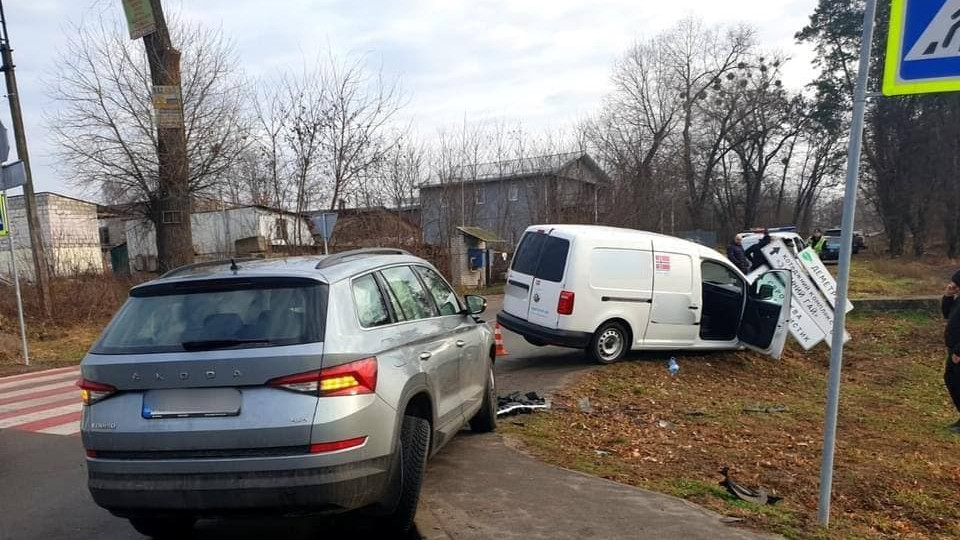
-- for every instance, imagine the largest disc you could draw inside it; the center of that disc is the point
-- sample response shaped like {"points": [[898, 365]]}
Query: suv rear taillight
{"points": [[565, 304], [352, 379], [92, 392]]}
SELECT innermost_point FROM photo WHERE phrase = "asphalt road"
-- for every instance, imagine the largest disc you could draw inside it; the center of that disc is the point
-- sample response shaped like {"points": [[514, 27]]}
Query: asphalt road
{"points": [[43, 491]]}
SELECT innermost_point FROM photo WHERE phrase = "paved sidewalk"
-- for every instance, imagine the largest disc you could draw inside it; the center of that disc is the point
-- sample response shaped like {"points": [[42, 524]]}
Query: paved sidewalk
{"points": [[478, 488]]}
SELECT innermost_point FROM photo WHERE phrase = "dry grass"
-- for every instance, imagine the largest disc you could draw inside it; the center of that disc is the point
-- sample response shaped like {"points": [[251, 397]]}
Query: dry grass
{"points": [[873, 276], [897, 467]]}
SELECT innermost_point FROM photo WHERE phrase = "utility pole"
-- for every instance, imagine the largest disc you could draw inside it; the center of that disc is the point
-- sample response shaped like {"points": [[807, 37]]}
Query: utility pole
{"points": [[38, 250], [172, 218]]}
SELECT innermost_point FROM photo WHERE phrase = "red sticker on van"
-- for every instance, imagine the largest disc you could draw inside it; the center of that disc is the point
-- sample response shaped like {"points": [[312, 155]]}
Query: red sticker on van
{"points": [[662, 263]]}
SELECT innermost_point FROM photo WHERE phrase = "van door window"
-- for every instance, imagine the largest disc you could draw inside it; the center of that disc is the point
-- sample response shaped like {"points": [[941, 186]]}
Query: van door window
{"points": [[553, 259], [528, 253]]}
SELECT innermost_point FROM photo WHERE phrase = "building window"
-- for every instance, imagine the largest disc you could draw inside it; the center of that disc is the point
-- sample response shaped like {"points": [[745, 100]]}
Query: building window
{"points": [[480, 196], [171, 216], [282, 232], [514, 193], [104, 236]]}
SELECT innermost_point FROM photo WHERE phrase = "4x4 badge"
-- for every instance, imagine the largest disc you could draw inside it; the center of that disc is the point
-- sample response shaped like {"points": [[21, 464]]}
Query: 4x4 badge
{"points": [[536, 297]]}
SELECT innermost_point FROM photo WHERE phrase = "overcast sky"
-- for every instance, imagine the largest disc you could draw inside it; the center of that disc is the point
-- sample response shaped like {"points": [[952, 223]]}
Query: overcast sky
{"points": [[545, 63]]}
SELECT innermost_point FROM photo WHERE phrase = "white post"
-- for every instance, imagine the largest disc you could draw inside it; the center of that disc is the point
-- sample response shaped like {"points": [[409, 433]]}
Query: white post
{"points": [[843, 271], [16, 286]]}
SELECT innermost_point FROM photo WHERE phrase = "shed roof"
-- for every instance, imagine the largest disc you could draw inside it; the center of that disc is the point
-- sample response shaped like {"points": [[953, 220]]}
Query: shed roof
{"points": [[481, 234]]}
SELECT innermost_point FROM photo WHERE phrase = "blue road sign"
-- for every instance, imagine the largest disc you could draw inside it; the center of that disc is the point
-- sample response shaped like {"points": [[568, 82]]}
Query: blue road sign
{"points": [[923, 47]]}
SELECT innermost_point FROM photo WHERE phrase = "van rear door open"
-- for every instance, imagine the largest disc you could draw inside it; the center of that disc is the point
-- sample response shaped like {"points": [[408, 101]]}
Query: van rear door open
{"points": [[766, 315], [536, 278]]}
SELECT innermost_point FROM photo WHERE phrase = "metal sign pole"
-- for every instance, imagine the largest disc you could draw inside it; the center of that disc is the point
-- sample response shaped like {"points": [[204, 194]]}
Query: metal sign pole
{"points": [[323, 218], [843, 277], [16, 286]]}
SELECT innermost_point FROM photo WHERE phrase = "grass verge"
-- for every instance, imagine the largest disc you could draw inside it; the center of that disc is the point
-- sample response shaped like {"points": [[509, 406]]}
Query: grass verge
{"points": [[896, 464]]}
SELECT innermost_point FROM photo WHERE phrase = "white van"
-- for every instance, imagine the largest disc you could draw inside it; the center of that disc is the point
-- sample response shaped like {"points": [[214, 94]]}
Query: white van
{"points": [[610, 290]]}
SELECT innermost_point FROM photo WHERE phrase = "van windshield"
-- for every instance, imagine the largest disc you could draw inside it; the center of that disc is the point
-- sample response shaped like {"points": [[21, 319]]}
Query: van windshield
{"points": [[222, 314], [542, 256]]}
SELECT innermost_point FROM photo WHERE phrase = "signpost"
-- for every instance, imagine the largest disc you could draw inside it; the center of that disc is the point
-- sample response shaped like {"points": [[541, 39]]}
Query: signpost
{"points": [[5, 231], [325, 222]]}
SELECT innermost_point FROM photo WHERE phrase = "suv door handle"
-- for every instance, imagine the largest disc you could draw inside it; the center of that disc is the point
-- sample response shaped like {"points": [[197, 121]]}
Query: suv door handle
{"points": [[461, 343], [425, 355]]}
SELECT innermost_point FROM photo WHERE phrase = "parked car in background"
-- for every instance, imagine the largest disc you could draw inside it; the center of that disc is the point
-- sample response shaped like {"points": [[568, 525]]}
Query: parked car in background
{"points": [[859, 240], [609, 291], [284, 386]]}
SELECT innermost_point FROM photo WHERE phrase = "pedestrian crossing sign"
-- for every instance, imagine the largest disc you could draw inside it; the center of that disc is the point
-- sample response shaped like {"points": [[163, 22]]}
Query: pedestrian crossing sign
{"points": [[4, 224], [923, 47]]}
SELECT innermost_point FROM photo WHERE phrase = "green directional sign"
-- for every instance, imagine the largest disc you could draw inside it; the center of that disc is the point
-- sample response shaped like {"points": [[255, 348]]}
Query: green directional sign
{"points": [[4, 224]]}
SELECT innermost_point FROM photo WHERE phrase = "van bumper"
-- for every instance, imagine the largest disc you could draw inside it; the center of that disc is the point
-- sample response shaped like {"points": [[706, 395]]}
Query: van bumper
{"points": [[550, 336]]}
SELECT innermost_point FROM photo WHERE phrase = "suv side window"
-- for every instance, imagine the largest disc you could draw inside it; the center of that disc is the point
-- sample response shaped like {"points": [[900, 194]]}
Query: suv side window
{"points": [[413, 299], [370, 305], [446, 299]]}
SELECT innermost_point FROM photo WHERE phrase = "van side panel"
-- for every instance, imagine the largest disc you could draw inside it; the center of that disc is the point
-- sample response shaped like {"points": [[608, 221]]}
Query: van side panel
{"points": [[620, 284], [675, 314]]}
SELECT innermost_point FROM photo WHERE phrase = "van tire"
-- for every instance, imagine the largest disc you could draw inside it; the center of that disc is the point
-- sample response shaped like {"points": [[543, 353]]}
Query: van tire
{"points": [[414, 448], [610, 343], [485, 420]]}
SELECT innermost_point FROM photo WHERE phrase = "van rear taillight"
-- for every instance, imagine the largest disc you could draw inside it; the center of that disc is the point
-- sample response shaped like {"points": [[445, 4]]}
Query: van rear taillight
{"points": [[565, 305]]}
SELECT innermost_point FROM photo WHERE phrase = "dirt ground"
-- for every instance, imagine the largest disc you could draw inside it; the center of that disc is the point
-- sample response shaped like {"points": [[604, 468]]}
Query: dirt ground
{"points": [[897, 467]]}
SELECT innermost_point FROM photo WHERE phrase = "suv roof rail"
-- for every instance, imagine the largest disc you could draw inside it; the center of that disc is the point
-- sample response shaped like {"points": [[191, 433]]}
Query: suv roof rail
{"points": [[183, 269], [331, 260]]}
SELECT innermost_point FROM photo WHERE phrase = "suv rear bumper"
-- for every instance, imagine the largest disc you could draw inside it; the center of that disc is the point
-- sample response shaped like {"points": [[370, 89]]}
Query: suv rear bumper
{"points": [[550, 336], [300, 491]]}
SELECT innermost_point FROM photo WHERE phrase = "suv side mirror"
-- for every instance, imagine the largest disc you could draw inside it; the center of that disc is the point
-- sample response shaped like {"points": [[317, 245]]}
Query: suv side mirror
{"points": [[475, 304]]}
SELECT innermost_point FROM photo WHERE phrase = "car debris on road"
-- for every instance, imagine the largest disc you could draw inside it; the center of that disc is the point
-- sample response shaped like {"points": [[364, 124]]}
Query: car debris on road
{"points": [[517, 403]]}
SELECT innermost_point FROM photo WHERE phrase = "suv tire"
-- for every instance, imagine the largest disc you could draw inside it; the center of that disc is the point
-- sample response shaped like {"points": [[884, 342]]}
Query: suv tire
{"points": [[610, 343], [485, 420], [163, 527], [414, 447]]}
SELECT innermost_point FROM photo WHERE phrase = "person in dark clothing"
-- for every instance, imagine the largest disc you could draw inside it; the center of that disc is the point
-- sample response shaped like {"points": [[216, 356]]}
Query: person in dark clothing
{"points": [[950, 305], [736, 254], [754, 254]]}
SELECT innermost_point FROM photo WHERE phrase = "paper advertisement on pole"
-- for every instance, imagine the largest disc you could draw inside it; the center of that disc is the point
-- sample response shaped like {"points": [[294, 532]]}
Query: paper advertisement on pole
{"points": [[805, 295], [140, 19], [821, 276]]}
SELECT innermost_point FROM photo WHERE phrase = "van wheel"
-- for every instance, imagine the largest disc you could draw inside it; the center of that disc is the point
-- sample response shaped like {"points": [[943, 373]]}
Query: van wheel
{"points": [[486, 418], [414, 445], [610, 343], [163, 527]]}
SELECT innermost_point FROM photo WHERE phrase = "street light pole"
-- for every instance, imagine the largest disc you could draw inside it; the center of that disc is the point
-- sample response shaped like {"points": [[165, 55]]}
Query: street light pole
{"points": [[843, 270], [41, 271]]}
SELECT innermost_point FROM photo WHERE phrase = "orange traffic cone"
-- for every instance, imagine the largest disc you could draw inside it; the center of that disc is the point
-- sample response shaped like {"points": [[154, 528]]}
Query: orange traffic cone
{"points": [[498, 340]]}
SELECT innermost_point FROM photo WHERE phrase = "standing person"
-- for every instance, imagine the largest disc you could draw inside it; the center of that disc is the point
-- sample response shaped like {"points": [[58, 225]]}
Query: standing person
{"points": [[817, 241], [950, 305], [736, 254], [755, 255]]}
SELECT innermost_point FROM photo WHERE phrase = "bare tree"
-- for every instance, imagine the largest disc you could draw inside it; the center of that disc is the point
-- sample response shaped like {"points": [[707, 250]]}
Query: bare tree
{"points": [[104, 125]]}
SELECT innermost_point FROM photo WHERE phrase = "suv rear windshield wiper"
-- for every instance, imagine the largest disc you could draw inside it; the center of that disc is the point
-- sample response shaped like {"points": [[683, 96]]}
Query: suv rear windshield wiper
{"points": [[219, 343]]}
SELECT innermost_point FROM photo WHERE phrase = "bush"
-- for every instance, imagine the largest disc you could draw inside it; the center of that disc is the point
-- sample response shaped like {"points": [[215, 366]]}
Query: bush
{"points": [[80, 299]]}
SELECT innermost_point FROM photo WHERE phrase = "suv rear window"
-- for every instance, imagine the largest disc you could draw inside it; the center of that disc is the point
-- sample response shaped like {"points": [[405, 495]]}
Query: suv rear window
{"points": [[542, 256], [221, 314]]}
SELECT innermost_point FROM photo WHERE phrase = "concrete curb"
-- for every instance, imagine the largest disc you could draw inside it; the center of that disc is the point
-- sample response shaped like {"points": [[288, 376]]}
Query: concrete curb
{"points": [[886, 304]]}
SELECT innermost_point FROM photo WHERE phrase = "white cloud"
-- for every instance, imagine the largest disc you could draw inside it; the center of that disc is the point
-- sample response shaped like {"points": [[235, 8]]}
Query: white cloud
{"points": [[545, 63]]}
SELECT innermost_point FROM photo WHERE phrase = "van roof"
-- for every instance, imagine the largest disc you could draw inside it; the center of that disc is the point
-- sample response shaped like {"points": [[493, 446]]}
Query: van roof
{"points": [[617, 233]]}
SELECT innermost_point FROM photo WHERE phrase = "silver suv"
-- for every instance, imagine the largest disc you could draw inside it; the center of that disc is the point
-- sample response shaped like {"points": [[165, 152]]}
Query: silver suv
{"points": [[285, 386]]}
